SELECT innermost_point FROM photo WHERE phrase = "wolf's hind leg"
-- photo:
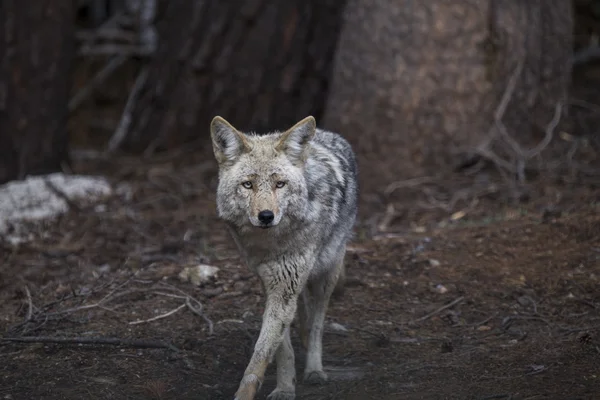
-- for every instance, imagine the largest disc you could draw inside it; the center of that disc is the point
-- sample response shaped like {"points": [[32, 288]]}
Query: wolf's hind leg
{"points": [[320, 290], [304, 318], [286, 370]]}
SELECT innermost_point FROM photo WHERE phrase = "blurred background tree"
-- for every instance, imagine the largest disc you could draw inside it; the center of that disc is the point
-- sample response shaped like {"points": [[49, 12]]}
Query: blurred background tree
{"points": [[417, 85], [37, 43], [259, 63], [419, 88]]}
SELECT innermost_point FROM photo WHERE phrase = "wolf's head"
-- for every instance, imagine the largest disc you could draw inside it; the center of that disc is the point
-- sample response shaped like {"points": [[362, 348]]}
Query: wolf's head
{"points": [[261, 177]]}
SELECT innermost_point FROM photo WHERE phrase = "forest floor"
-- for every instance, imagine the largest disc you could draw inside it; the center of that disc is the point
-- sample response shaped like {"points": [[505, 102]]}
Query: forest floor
{"points": [[495, 301]]}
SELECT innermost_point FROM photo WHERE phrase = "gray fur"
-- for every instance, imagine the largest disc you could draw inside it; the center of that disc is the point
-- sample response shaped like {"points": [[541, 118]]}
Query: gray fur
{"points": [[300, 253]]}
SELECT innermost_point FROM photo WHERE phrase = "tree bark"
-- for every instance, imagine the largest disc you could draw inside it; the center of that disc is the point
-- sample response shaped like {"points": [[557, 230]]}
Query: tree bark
{"points": [[261, 64], [36, 49], [416, 83]]}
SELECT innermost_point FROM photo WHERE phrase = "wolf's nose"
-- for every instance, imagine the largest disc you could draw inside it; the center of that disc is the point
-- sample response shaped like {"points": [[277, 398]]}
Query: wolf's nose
{"points": [[266, 216]]}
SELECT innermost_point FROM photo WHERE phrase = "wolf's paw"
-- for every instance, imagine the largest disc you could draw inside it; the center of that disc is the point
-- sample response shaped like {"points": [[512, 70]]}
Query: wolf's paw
{"points": [[248, 387], [278, 394], [315, 377]]}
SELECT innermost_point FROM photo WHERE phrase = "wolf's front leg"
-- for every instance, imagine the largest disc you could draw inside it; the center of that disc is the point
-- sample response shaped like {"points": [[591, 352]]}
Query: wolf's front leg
{"points": [[279, 313]]}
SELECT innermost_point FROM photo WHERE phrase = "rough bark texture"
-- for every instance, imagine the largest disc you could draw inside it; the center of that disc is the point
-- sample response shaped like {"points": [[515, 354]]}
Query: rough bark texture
{"points": [[416, 83], [261, 64], [36, 49]]}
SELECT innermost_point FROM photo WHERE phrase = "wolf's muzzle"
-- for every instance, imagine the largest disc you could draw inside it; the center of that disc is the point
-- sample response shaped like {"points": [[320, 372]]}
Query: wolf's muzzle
{"points": [[266, 217]]}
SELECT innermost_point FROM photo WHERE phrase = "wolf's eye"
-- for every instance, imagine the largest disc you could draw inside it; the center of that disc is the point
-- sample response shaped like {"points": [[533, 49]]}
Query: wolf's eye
{"points": [[247, 184], [280, 184]]}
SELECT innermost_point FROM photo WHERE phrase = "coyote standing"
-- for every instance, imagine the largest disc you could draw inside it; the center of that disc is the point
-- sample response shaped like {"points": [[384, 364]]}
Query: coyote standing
{"points": [[290, 201]]}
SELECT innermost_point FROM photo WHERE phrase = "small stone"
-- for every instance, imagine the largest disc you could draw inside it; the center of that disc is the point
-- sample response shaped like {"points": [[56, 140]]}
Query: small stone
{"points": [[338, 327], [212, 292], [441, 289], [524, 301], [434, 263], [457, 215], [240, 286], [198, 274]]}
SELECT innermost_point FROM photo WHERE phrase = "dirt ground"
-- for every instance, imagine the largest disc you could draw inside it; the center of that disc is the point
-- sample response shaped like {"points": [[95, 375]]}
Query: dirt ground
{"points": [[493, 300]]}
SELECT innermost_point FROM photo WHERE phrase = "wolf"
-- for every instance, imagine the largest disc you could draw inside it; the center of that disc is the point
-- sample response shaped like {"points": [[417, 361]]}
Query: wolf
{"points": [[289, 200]]}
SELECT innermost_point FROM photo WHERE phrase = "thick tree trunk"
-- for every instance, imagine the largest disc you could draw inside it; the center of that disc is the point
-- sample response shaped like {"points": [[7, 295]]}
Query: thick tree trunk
{"points": [[36, 49], [416, 83], [262, 64]]}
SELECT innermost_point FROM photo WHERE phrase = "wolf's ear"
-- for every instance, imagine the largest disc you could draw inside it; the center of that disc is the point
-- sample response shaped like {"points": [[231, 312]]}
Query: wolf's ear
{"points": [[228, 142], [294, 141]]}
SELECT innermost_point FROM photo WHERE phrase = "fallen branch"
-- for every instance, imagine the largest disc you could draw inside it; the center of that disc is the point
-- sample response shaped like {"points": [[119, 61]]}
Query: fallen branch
{"points": [[43, 317], [497, 396], [137, 343], [439, 310], [407, 183], [29, 305], [198, 312], [193, 304], [161, 316]]}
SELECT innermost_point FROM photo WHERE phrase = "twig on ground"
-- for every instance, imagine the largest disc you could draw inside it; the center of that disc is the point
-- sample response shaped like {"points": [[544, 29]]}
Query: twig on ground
{"points": [[508, 321], [198, 312], [497, 396], [439, 310], [44, 316], [192, 303], [388, 217], [29, 305], [406, 184], [109, 297], [532, 302], [123, 128], [485, 321], [230, 320], [139, 343], [568, 330], [381, 337], [161, 316]]}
